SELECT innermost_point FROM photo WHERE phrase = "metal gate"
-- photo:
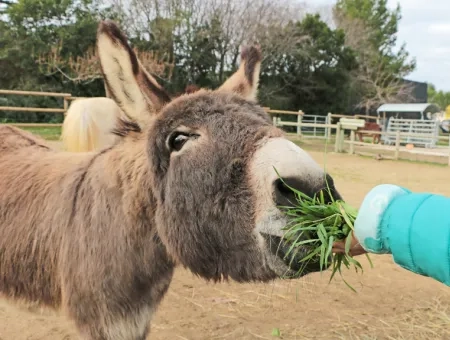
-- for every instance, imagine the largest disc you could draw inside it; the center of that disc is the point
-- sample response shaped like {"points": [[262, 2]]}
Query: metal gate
{"points": [[315, 132], [429, 129]]}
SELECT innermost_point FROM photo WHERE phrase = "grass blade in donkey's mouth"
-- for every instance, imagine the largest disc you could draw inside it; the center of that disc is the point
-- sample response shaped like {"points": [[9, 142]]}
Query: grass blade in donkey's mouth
{"points": [[315, 225]]}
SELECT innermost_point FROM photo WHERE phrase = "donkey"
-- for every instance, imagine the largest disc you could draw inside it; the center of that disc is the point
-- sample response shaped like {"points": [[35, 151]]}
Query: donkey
{"points": [[90, 122], [190, 182], [369, 126]]}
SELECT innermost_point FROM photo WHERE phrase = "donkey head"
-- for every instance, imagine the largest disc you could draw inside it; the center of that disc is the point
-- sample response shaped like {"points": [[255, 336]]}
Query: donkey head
{"points": [[212, 157]]}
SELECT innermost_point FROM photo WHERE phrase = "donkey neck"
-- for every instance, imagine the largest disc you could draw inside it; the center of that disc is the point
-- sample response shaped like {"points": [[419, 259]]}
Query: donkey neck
{"points": [[123, 176], [115, 207], [125, 170]]}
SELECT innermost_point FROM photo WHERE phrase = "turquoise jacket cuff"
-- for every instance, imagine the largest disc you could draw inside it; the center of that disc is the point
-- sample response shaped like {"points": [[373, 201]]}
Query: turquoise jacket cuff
{"points": [[368, 222], [413, 227]]}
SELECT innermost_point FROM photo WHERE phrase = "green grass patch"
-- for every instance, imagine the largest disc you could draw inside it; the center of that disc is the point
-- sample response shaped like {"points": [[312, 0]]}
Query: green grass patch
{"points": [[48, 133]]}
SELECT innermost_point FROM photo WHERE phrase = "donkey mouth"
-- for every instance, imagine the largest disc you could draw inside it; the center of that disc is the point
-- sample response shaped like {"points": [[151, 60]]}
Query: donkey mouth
{"points": [[294, 259]]}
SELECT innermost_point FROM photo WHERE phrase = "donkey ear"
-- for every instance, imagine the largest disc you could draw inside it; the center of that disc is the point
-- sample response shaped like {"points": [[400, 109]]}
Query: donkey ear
{"points": [[126, 82], [245, 80]]}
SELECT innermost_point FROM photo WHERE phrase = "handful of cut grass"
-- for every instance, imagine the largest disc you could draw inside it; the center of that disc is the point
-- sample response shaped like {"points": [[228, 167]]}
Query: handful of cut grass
{"points": [[317, 225]]}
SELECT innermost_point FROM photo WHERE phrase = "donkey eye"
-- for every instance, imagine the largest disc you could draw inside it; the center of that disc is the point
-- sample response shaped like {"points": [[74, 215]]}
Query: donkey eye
{"points": [[177, 140]]}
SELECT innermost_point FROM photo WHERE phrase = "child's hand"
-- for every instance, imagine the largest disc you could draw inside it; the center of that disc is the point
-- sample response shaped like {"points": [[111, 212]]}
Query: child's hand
{"points": [[367, 226], [355, 247]]}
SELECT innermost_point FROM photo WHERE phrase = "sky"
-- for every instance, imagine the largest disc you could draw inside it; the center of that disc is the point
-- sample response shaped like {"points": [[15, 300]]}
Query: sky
{"points": [[425, 28]]}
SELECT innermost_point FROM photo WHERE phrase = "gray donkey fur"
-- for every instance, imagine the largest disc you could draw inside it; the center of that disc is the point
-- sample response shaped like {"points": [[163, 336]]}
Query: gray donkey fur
{"points": [[190, 182]]}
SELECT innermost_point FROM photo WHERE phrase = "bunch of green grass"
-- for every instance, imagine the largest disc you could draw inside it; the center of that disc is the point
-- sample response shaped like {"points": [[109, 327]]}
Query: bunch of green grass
{"points": [[318, 225]]}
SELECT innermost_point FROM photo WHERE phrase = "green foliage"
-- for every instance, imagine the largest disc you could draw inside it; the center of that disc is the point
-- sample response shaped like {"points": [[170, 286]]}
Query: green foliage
{"points": [[196, 58], [376, 14], [317, 225], [383, 23], [315, 76], [32, 29], [440, 98], [381, 64], [309, 68]]}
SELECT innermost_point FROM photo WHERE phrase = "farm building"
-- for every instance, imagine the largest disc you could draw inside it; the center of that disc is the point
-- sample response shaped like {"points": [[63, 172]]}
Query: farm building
{"points": [[407, 111], [419, 94], [419, 90], [410, 118], [413, 111]]}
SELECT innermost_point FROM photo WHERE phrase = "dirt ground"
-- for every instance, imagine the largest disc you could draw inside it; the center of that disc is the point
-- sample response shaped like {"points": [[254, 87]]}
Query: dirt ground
{"points": [[391, 303]]}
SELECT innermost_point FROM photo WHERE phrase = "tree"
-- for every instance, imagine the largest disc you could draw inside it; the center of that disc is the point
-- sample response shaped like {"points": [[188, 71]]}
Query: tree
{"points": [[441, 98], [4, 5], [35, 28], [30, 29], [86, 68], [210, 32], [315, 76], [370, 29], [307, 64]]}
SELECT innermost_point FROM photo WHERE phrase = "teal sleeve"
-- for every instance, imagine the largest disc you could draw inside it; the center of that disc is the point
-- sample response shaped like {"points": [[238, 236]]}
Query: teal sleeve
{"points": [[415, 229]]}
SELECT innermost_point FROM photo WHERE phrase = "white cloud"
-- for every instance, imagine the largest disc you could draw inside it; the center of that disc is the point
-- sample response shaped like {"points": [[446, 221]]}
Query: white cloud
{"points": [[425, 28], [439, 28], [440, 52]]}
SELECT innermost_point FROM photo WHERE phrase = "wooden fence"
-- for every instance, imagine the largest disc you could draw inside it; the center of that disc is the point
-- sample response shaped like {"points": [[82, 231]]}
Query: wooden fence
{"points": [[338, 143], [328, 126], [396, 149], [438, 151], [67, 97]]}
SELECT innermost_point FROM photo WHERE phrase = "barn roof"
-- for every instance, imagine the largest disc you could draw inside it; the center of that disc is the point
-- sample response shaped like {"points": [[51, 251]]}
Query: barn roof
{"points": [[410, 107]]}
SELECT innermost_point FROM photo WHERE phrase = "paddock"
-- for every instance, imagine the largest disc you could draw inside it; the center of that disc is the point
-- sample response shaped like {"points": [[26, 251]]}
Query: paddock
{"points": [[391, 302]]}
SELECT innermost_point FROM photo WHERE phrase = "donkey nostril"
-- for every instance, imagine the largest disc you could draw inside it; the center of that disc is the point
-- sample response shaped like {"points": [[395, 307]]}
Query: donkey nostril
{"points": [[284, 195], [329, 192], [283, 188]]}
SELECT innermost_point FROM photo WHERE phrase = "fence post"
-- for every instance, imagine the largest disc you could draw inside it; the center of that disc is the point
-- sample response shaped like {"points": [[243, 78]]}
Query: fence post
{"points": [[338, 137], [328, 128], [66, 105], [449, 150], [274, 120], [315, 127], [352, 141], [397, 144], [299, 122]]}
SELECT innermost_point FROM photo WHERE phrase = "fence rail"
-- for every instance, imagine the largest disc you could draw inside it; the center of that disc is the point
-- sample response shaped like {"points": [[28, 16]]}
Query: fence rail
{"points": [[414, 128], [283, 112], [441, 151], [310, 126], [35, 93], [31, 109], [33, 125], [67, 97]]}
